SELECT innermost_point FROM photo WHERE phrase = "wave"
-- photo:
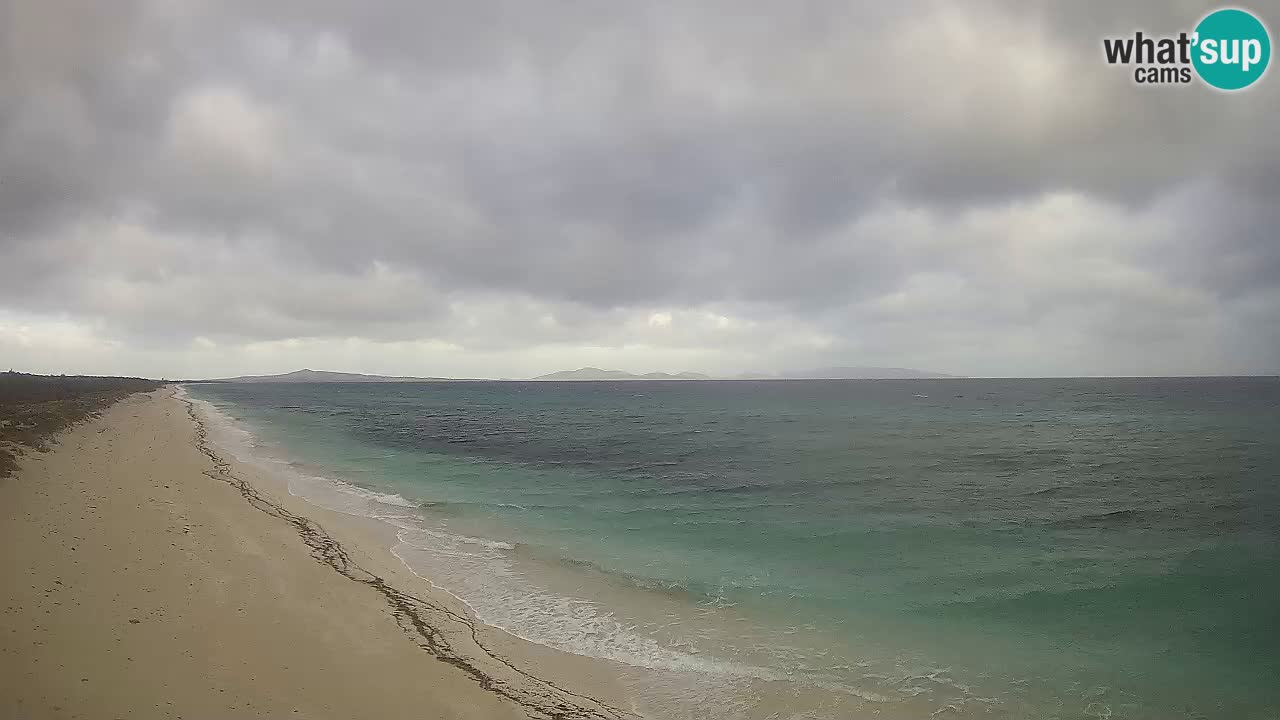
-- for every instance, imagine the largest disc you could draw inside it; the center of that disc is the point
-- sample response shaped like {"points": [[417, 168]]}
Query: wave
{"points": [[486, 580], [1094, 521], [650, 465], [742, 488], [1045, 492], [675, 588], [480, 573], [393, 499], [427, 538]]}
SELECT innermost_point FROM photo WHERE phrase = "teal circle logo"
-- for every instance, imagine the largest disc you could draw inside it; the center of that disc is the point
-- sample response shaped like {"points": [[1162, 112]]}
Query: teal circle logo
{"points": [[1231, 49]]}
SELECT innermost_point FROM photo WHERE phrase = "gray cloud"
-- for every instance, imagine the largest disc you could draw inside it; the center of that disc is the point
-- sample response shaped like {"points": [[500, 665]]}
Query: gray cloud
{"points": [[522, 186]]}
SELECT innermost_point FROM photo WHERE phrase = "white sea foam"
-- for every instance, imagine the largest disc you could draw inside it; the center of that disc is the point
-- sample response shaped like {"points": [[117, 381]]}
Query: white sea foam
{"points": [[480, 573], [367, 494]]}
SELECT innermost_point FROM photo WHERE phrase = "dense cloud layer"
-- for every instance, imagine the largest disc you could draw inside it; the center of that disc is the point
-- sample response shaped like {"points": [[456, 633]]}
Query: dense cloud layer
{"points": [[504, 188]]}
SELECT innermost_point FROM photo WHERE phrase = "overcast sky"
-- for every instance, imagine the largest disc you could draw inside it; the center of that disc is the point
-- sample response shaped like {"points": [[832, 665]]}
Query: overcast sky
{"points": [[504, 188]]}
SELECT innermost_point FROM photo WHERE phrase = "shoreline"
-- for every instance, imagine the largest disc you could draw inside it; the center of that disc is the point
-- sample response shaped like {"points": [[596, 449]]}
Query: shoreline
{"points": [[680, 673], [413, 612], [424, 636]]}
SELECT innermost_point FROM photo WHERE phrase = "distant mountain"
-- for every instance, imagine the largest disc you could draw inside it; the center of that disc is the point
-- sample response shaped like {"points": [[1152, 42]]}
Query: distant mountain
{"points": [[675, 376], [320, 376], [592, 373], [864, 373]]}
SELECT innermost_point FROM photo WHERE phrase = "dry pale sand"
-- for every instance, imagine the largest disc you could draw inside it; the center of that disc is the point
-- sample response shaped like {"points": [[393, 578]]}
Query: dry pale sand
{"points": [[144, 576]]}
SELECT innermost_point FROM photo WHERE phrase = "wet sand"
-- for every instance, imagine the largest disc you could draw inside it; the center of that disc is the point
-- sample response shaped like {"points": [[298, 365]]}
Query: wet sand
{"points": [[146, 576]]}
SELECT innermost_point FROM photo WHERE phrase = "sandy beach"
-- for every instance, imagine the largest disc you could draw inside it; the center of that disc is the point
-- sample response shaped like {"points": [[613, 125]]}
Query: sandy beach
{"points": [[145, 576]]}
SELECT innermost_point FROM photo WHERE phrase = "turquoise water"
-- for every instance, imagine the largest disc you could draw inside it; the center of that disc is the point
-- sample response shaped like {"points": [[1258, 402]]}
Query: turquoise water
{"points": [[971, 548]]}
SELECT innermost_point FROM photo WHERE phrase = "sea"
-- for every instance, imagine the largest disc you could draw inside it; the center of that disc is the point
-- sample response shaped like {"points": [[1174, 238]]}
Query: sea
{"points": [[952, 548]]}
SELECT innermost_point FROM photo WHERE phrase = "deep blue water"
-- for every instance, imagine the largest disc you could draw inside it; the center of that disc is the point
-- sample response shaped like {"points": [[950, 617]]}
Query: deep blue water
{"points": [[1003, 548]]}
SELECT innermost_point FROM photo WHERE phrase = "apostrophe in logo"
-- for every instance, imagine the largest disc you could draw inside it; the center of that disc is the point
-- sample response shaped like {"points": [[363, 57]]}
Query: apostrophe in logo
{"points": [[1232, 49], [1229, 49]]}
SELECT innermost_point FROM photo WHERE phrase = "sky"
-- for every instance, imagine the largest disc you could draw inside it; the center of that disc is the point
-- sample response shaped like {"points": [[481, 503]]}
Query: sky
{"points": [[504, 188]]}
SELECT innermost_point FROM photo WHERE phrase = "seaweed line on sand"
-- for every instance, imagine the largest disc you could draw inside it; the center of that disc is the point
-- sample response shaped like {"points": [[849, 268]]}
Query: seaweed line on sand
{"points": [[538, 697]]}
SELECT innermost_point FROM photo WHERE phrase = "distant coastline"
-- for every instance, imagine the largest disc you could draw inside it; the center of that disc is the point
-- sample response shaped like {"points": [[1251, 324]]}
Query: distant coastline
{"points": [[593, 374], [323, 376], [827, 373]]}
